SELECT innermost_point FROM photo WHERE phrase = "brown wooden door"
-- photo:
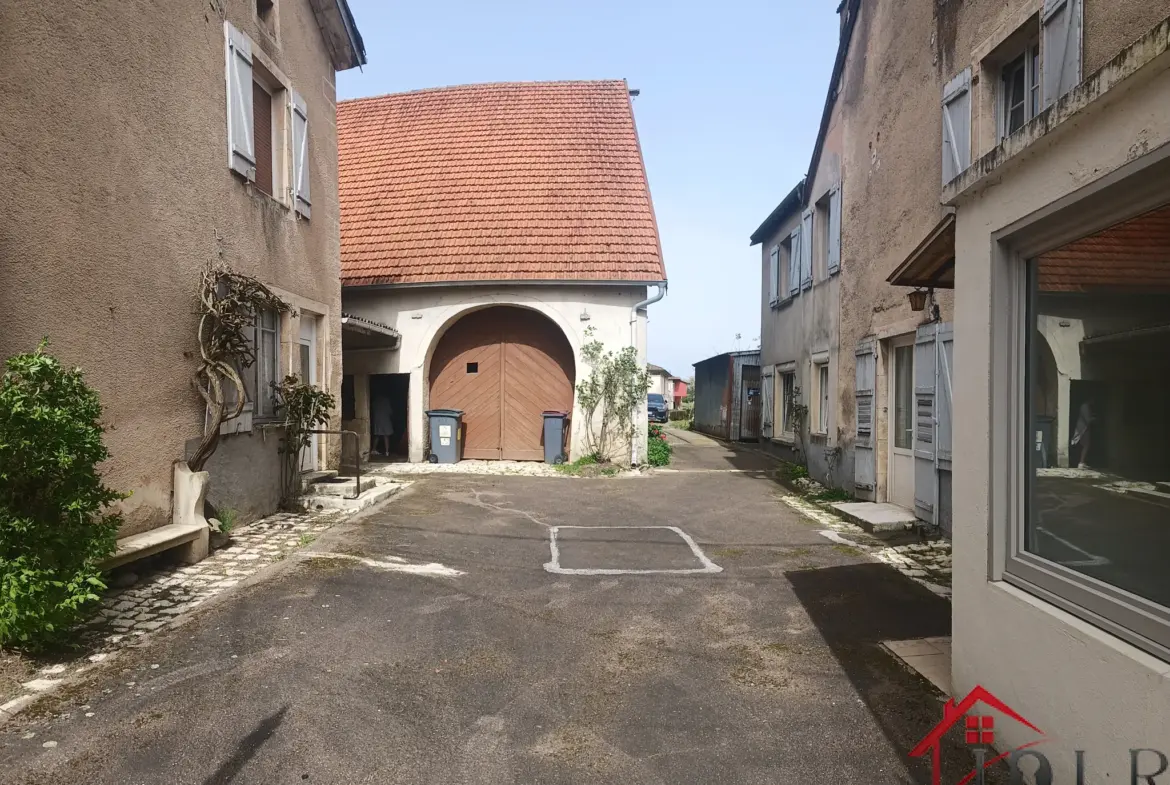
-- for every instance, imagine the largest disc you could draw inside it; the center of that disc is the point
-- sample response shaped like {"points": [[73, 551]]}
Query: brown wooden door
{"points": [[503, 367]]}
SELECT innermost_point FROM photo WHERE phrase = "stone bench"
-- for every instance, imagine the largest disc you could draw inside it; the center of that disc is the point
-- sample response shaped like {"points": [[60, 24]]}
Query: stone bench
{"points": [[191, 538]]}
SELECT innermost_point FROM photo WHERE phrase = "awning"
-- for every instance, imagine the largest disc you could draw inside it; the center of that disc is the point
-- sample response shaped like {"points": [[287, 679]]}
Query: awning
{"points": [[932, 263], [358, 333]]}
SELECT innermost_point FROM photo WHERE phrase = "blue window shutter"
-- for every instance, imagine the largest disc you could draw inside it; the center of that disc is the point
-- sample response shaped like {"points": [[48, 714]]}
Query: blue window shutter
{"points": [[241, 136], [794, 263], [835, 230], [1061, 24]]}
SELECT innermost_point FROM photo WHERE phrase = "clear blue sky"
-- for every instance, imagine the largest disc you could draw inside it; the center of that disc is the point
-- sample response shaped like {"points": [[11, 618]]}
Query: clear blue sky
{"points": [[732, 94]]}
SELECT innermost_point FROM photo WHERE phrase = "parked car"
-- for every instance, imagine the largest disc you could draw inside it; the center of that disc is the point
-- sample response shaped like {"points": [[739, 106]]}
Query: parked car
{"points": [[656, 407]]}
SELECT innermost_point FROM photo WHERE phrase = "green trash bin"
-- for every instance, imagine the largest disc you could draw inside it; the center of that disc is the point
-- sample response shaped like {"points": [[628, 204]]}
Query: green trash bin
{"points": [[554, 436], [446, 435]]}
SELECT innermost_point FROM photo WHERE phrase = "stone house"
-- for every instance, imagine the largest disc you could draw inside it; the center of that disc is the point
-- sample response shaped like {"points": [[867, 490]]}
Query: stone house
{"points": [[489, 232], [1004, 291], [141, 141]]}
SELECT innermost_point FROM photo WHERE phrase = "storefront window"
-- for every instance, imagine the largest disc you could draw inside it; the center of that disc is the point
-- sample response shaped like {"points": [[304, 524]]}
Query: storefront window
{"points": [[1098, 363]]}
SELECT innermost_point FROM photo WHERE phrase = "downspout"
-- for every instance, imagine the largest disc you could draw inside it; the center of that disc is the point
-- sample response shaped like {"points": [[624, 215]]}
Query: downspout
{"points": [[661, 285]]}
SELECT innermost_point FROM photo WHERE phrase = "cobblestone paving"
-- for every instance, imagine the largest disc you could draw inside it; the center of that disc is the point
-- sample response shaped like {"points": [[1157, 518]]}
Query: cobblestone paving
{"points": [[928, 563], [160, 597]]}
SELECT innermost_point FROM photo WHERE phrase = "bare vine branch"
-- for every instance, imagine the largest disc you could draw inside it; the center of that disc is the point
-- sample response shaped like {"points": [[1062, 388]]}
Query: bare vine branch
{"points": [[228, 306]]}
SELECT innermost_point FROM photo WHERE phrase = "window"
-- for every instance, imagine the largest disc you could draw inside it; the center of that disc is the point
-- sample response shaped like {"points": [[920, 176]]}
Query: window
{"points": [[1020, 91], [268, 125], [784, 401], [1096, 527], [904, 397], [821, 419], [264, 373]]}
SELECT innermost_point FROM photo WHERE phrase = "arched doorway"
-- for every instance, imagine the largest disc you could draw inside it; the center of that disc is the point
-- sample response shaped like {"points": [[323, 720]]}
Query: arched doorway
{"points": [[503, 366]]}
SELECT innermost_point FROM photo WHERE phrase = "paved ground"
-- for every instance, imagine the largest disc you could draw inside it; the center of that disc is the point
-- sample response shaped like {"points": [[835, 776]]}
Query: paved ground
{"points": [[335, 671]]}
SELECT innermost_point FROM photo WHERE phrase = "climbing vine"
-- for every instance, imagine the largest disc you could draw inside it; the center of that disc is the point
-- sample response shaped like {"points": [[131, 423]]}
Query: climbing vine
{"points": [[228, 305], [305, 409], [616, 388]]}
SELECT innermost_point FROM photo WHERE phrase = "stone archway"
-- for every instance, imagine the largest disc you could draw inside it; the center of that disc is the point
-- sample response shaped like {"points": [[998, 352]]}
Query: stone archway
{"points": [[502, 366]]}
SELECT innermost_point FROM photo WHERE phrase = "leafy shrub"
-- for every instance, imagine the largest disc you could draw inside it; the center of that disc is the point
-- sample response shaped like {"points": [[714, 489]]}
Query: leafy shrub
{"points": [[305, 409], [53, 528], [658, 450]]}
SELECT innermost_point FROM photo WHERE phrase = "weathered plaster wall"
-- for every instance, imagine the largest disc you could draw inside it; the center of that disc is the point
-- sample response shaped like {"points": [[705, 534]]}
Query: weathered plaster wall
{"points": [[1112, 25], [422, 314], [1084, 687], [117, 190]]}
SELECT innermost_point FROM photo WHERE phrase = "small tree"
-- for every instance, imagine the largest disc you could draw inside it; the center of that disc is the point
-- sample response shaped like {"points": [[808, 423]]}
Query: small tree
{"points": [[616, 385], [228, 304], [305, 409], [54, 525]]}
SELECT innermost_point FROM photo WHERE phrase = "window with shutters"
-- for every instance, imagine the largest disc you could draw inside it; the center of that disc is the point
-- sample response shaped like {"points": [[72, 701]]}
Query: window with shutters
{"points": [[268, 125], [784, 402], [821, 416], [261, 378], [1019, 91]]}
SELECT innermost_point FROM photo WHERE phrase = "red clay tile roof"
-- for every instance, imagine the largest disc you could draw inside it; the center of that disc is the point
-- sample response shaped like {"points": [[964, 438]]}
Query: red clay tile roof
{"points": [[1129, 257], [522, 181]]}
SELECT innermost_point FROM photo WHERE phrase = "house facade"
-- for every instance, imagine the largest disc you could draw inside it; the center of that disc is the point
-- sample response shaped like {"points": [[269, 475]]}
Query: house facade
{"points": [[662, 383], [497, 230], [1003, 300], [218, 142]]}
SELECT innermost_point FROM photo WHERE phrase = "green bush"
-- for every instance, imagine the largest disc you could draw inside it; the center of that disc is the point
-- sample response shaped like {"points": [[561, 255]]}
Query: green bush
{"points": [[54, 530], [659, 449]]}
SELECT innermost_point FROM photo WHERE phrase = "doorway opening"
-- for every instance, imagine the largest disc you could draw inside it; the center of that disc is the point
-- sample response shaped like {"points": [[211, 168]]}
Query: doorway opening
{"points": [[389, 415], [899, 418]]}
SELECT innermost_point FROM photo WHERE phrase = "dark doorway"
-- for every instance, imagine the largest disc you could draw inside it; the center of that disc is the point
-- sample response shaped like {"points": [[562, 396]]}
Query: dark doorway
{"points": [[392, 390]]}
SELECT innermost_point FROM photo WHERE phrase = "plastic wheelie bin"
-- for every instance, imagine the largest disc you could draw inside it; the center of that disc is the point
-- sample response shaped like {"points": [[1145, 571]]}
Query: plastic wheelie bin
{"points": [[446, 435], [554, 436]]}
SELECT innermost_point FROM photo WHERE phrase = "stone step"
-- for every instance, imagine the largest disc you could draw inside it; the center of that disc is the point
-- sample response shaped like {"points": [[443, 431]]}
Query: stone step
{"points": [[877, 519], [383, 490], [338, 486], [308, 478]]}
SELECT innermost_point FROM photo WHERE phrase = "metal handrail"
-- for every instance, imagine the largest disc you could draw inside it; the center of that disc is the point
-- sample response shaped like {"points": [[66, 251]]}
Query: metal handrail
{"points": [[357, 451]]}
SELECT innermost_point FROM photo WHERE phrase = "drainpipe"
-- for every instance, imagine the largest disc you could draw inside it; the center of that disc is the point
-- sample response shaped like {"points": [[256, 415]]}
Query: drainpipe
{"points": [[661, 285]]}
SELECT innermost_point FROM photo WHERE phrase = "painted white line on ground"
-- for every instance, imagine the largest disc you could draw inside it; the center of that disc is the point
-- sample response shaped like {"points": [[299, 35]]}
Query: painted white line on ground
{"points": [[554, 564], [1093, 559], [837, 538], [391, 564]]}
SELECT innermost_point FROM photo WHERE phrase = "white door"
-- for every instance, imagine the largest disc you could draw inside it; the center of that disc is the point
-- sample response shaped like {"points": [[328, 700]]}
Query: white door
{"points": [[308, 373], [900, 421]]}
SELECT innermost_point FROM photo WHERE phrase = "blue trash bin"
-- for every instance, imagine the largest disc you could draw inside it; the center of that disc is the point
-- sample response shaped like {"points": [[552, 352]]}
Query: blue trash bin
{"points": [[554, 436], [446, 435]]}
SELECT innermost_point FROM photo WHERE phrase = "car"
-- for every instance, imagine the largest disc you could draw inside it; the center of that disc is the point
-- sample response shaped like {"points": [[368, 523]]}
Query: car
{"points": [[656, 408]]}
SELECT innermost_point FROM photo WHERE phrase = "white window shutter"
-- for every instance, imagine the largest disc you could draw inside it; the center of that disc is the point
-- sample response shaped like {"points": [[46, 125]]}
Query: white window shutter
{"points": [[299, 123], [794, 263], [774, 274], [241, 138], [956, 126], [1061, 24], [806, 249], [835, 230]]}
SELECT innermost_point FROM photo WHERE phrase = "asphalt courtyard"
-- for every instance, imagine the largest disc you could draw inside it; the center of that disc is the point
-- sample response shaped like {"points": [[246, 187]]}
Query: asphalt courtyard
{"points": [[739, 646]]}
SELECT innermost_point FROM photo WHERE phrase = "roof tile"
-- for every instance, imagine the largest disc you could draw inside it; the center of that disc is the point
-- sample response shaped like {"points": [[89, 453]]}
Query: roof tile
{"points": [[510, 181]]}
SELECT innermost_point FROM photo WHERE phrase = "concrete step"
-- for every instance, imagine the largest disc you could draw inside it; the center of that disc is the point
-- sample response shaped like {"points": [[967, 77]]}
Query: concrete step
{"points": [[338, 486], [308, 478], [384, 489], [878, 519]]}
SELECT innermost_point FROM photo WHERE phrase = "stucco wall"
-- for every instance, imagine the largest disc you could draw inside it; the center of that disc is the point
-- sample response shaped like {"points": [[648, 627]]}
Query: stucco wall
{"points": [[422, 314], [1086, 688], [117, 191]]}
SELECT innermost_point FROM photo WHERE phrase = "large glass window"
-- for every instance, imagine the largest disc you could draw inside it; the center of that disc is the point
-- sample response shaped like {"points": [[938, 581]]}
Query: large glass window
{"points": [[1098, 442]]}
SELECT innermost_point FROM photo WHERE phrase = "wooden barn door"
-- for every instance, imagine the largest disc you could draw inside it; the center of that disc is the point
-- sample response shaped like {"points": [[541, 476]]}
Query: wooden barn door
{"points": [[503, 367]]}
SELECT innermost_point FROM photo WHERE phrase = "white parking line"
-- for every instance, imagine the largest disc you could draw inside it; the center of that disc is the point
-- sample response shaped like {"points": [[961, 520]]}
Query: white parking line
{"points": [[554, 565]]}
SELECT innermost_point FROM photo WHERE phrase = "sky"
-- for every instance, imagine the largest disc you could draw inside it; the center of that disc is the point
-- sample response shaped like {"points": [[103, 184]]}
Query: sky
{"points": [[731, 99]]}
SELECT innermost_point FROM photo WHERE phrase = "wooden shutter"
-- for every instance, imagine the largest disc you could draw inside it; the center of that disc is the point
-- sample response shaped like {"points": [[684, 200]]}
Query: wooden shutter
{"points": [[767, 408], [864, 463], [835, 229], [774, 275], [794, 263], [945, 340], [956, 126], [299, 123], [1060, 24], [925, 379], [806, 249], [241, 135]]}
